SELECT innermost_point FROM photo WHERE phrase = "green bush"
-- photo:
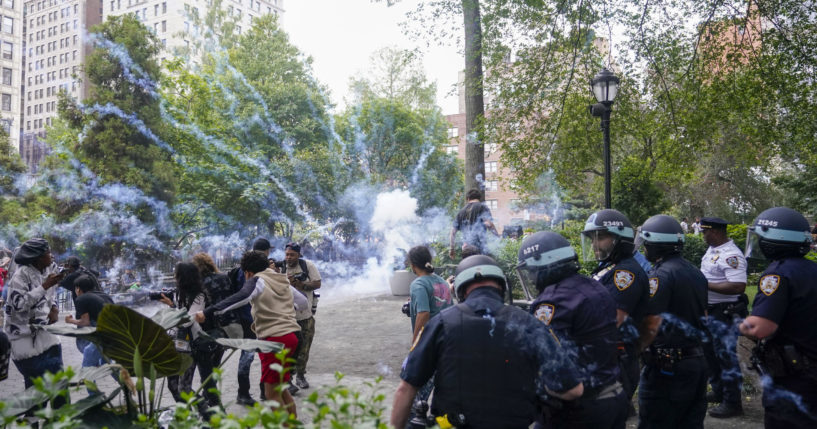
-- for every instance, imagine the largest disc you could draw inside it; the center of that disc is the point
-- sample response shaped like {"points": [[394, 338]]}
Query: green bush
{"points": [[694, 249]]}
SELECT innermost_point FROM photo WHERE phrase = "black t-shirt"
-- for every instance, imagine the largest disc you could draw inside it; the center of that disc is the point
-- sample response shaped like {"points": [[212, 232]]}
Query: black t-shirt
{"points": [[471, 222], [678, 291], [91, 303]]}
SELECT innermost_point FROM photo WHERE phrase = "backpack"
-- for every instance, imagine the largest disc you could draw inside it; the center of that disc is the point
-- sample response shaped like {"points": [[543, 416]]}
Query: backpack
{"points": [[233, 275]]}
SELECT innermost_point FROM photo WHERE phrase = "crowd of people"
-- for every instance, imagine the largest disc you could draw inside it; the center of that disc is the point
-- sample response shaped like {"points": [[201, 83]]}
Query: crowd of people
{"points": [[589, 343], [260, 299], [649, 325]]}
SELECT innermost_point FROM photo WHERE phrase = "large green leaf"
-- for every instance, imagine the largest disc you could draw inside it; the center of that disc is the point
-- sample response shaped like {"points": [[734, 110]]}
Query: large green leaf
{"points": [[170, 317], [258, 346], [87, 332], [122, 331]]}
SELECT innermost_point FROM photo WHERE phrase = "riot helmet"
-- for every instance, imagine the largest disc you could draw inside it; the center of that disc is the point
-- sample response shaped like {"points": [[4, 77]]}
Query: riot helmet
{"points": [[545, 258], [778, 233], [475, 268], [607, 236], [662, 237]]}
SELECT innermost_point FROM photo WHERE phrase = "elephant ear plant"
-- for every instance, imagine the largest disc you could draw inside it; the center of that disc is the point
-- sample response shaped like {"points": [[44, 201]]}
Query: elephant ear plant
{"points": [[138, 349]]}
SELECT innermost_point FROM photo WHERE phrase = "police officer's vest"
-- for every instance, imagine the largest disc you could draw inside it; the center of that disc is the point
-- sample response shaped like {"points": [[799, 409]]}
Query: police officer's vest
{"points": [[484, 375]]}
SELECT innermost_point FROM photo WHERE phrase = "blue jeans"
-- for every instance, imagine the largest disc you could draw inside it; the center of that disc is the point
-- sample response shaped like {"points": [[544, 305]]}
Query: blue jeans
{"points": [[33, 367], [92, 356]]}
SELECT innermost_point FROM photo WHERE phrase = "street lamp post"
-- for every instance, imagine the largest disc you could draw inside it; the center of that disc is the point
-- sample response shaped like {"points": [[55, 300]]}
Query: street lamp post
{"points": [[605, 89]]}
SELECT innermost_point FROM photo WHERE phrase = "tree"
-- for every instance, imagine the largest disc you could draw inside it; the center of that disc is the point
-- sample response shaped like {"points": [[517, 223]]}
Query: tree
{"points": [[396, 75], [123, 110], [430, 16], [708, 112], [252, 125]]}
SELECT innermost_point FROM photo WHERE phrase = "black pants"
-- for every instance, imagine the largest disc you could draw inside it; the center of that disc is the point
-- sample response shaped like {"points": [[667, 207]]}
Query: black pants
{"points": [[725, 376], [610, 413], [673, 401], [630, 367], [790, 402]]}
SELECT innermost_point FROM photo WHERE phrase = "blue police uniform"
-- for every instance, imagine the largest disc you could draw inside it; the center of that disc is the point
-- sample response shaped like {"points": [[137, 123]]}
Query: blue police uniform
{"points": [[673, 381], [628, 284], [492, 363], [581, 312], [787, 295]]}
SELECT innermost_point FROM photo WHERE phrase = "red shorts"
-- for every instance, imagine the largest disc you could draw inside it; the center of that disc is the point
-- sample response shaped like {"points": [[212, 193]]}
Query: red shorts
{"points": [[268, 375]]}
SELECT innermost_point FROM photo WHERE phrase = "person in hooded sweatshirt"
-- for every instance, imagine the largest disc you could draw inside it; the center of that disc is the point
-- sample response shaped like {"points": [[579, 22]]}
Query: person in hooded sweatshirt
{"points": [[273, 314]]}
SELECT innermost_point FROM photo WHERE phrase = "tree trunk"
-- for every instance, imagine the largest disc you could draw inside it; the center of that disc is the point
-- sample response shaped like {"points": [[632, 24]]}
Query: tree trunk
{"points": [[474, 107]]}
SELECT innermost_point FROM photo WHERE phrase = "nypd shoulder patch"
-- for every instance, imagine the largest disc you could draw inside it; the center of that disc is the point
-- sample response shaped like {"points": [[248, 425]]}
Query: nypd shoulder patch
{"points": [[653, 286], [544, 312], [769, 284], [733, 261], [623, 279]]}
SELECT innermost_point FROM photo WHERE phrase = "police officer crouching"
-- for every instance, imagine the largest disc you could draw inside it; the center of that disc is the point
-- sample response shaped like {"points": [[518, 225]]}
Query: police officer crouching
{"points": [[672, 392], [493, 362], [608, 237], [724, 267], [784, 318], [582, 314]]}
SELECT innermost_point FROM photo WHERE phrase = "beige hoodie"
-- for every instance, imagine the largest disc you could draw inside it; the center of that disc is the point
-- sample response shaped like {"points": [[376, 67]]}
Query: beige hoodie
{"points": [[273, 310]]}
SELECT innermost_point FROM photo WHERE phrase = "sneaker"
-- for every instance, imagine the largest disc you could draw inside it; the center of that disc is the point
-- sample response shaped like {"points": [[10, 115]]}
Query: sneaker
{"points": [[713, 397], [293, 389], [726, 410], [245, 400], [300, 380]]}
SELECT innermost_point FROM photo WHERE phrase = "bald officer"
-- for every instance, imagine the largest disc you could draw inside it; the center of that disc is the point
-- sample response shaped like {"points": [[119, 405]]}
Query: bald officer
{"points": [[724, 267]]}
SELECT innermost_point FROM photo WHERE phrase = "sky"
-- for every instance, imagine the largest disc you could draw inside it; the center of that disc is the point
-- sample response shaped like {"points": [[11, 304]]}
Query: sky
{"points": [[341, 35]]}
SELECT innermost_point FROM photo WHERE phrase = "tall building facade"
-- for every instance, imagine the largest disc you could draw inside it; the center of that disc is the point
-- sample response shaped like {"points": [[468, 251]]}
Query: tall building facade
{"points": [[175, 22], [45, 43], [54, 48], [11, 69]]}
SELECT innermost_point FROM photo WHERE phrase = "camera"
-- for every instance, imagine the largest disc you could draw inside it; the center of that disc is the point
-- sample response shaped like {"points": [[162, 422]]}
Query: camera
{"points": [[406, 309], [278, 264], [167, 291], [300, 277]]}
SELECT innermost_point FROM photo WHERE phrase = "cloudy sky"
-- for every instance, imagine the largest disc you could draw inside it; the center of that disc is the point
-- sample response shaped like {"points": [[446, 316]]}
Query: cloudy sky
{"points": [[340, 35]]}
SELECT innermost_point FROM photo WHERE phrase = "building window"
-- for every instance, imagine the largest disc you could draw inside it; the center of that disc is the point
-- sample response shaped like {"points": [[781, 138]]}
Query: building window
{"points": [[492, 185], [8, 48], [452, 150], [490, 148], [6, 76], [8, 25], [5, 102], [492, 204], [453, 132], [490, 167]]}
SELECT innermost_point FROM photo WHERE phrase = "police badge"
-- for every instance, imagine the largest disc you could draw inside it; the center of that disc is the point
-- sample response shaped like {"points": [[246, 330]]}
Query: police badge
{"points": [[545, 313], [733, 261], [769, 284], [653, 286], [623, 279]]}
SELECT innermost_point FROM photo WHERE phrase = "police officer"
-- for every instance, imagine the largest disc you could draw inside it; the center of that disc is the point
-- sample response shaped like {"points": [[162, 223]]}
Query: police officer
{"points": [[582, 313], [608, 238], [724, 267], [492, 361], [673, 381], [783, 317]]}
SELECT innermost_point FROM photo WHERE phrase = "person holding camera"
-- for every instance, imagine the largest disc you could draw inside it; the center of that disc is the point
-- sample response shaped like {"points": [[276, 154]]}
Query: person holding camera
{"points": [[206, 353], [30, 305], [429, 294], [304, 276]]}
